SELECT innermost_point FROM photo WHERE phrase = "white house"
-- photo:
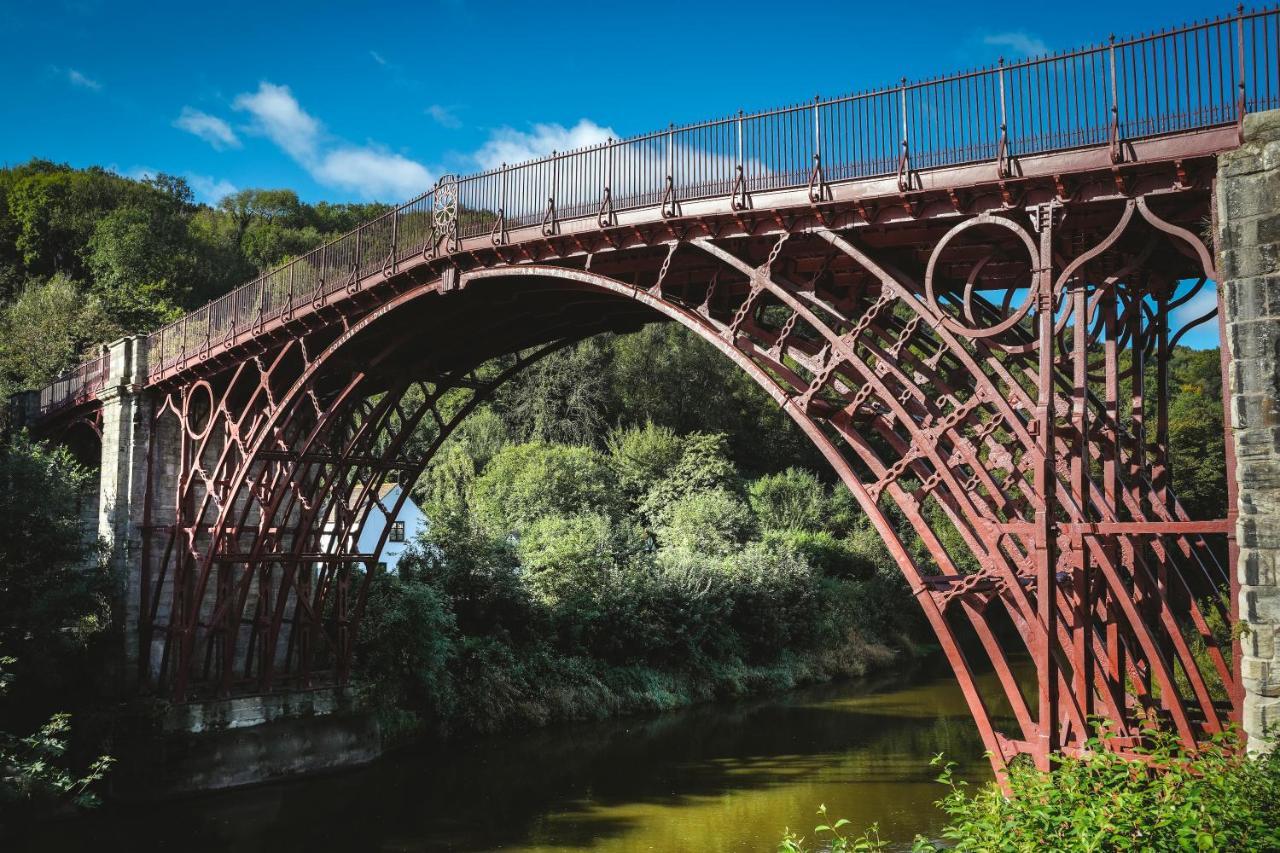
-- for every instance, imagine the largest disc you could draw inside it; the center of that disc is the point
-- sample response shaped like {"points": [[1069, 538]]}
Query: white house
{"points": [[405, 528]]}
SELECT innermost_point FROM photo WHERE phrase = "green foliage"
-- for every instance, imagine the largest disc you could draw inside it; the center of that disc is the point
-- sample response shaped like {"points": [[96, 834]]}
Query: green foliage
{"points": [[554, 561], [34, 776], [774, 596], [50, 325], [54, 594], [408, 635], [445, 488], [713, 521], [524, 482], [1215, 799], [1163, 798], [792, 499], [703, 466], [136, 252], [567, 556], [666, 374], [831, 555], [54, 586], [643, 456], [834, 837], [561, 398]]}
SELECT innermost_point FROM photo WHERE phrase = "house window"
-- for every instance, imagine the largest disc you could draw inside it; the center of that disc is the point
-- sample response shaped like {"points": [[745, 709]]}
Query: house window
{"points": [[397, 531]]}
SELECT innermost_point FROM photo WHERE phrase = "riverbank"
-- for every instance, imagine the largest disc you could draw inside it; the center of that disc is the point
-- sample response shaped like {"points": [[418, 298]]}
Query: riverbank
{"points": [[550, 689]]}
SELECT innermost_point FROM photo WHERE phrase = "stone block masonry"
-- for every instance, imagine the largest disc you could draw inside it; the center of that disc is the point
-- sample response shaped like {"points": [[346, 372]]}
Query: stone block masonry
{"points": [[1248, 241]]}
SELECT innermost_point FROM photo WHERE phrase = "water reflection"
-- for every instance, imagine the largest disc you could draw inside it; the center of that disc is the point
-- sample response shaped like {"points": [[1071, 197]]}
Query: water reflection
{"points": [[719, 777]]}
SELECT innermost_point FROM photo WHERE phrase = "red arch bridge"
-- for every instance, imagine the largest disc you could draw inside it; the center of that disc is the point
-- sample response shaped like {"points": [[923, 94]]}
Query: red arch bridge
{"points": [[965, 291]]}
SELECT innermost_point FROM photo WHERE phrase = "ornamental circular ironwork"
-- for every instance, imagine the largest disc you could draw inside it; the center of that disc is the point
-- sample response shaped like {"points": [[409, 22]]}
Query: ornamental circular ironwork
{"points": [[444, 203], [968, 324], [197, 410]]}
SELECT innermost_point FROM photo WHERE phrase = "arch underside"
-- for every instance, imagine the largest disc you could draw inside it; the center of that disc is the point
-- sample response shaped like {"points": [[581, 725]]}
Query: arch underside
{"points": [[1005, 454]]}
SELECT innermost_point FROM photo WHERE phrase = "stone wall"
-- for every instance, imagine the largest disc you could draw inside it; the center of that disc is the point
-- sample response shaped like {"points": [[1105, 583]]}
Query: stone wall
{"points": [[1247, 218]]}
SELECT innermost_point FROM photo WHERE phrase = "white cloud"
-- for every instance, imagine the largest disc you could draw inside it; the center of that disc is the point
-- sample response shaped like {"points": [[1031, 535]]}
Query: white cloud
{"points": [[211, 129], [369, 170], [75, 78], [281, 119], [1195, 308], [209, 190], [1022, 44], [377, 57], [372, 171], [444, 116], [508, 145]]}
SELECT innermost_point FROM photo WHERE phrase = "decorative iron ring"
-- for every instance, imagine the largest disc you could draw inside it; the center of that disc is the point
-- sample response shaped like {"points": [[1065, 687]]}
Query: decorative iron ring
{"points": [[1008, 322]]}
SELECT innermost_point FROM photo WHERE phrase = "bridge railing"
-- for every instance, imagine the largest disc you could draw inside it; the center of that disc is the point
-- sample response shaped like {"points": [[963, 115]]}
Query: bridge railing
{"points": [[1202, 75], [81, 383]]}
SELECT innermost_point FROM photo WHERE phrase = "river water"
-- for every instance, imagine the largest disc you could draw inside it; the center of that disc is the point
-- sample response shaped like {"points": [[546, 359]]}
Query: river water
{"points": [[712, 778]]}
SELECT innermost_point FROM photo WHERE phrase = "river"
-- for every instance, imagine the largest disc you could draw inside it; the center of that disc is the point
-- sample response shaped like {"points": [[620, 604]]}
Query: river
{"points": [[711, 778]]}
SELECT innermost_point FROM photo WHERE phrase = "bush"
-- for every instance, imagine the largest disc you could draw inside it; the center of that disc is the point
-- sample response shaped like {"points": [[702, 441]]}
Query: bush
{"points": [[33, 777], [774, 595], [566, 558], [1216, 799], [791, 500], [524, 482], [713, 522], [55, 589], [703, 466], [406, 641], [837, 558], [643, 456]]}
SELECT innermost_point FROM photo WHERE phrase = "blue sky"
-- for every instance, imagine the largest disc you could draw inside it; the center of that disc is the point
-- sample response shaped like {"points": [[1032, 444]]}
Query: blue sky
{"points": [[345, 102], [352, 102]]}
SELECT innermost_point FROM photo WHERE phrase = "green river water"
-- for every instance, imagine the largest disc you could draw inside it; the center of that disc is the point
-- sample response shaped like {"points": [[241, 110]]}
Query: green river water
{"points": [[712, 778]]}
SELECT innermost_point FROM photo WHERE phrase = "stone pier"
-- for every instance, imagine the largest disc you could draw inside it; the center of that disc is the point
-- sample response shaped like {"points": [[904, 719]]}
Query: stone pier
{"points": [[166, 749], [1247, 219]]}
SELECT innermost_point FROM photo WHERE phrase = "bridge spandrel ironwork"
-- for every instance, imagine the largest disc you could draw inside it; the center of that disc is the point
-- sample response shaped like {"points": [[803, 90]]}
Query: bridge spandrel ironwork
{"points": [[966, 292]]}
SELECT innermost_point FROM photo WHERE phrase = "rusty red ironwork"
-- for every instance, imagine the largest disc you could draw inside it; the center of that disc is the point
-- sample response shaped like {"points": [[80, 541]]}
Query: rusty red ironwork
{"points": [[966, 292]]}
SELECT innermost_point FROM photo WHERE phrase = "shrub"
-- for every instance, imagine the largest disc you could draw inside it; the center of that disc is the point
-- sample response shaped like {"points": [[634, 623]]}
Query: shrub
{"points": [[774, 595], [1165, 798], [703, 466], [478, 574], [643, 456], [524, 482], [1215, 799], [791, 500], [33, 775], [565, 558], [712, 522], [837, 558], [406, 641], [55, 588]]}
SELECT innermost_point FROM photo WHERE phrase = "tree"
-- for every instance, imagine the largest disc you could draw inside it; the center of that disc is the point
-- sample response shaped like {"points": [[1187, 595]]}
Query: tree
{"points": [[55, 588], [525, 482], [703, 465], [714, 522], [643, 456], [50, 327], [792, 499], [566, 558], [253, 205], [561, 398]]}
